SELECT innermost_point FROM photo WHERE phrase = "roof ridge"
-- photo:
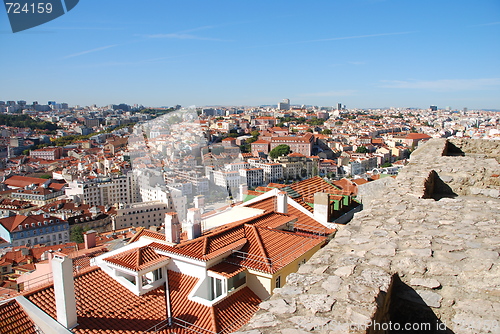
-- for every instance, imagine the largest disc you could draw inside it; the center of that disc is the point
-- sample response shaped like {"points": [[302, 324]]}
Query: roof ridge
{"points": [[260, 243], [138, 256], [213, 319], [137, 235], [205, 246]]}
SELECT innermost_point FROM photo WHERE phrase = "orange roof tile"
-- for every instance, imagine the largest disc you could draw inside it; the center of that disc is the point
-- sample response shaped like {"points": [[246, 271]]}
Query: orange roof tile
{"points": [[359, 181], [226, 269], [23, 181], [15, 320], [137, 259], [269, 250], [108, 307], [347, 186], [304, 222]]}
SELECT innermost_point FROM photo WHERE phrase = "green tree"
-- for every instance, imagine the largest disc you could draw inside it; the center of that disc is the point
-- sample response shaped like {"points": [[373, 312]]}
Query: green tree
{"points": [[279, 150], [76, 234], [255, 133], [361, 149], [387, 164], [326, 132], [45, 176], [251, 140]]}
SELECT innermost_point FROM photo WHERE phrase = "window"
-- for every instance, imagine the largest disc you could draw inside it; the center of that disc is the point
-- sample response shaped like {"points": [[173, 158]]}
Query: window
{"points": [[215, 288], [278, 282], [157, 274], [236, 281]]}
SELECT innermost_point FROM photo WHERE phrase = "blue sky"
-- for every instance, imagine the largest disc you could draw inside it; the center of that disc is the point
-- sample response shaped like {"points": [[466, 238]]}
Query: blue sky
{"points": [[362, 53]]}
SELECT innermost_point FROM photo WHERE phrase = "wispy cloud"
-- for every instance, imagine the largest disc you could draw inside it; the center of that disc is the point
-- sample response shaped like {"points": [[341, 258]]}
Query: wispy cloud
{"points": [[346, 92], [186, 34], [356, 62], [358, 36], [90, 51], [139, 62], [486, 24], [444, 84], [334, 39]]}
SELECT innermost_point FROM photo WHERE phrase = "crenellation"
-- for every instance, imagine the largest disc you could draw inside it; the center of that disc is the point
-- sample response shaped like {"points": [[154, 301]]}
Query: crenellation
{"points": [[403, 253]]}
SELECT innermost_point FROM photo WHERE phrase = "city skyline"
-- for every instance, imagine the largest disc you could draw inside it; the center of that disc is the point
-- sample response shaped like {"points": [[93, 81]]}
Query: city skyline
{"points": [[364, 54]]}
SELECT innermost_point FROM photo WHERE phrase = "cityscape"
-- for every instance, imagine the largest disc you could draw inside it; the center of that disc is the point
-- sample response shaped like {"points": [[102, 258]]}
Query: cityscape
{"points": [[254, 168], [223, 202]]}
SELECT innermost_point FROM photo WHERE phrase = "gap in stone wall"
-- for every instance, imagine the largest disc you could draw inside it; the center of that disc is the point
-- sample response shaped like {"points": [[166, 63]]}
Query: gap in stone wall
{"points": [[451, 150], [409, 313], [436, 188]]}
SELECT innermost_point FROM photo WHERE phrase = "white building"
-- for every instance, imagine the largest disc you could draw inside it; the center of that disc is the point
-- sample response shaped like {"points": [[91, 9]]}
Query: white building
{"points": [[253, 177], [226, 179], [273, 172], [145, 214], [103, 190]]}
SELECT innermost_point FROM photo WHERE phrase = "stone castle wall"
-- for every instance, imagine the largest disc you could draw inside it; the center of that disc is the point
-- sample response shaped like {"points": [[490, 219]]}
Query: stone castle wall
{"points": [[424, 253]]}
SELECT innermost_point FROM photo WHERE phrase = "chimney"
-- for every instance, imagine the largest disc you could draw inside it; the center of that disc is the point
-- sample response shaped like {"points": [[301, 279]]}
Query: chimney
{"points": [[199, 201], [193, 225], [172, 228], [243, 191], [89, 238], [282, 202], [64, 290], [321, 207]]}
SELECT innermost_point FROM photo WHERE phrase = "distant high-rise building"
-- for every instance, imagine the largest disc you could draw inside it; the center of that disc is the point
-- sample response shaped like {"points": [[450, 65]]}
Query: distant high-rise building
{"points": [[433, 108], [339, 106], [284, 105]]}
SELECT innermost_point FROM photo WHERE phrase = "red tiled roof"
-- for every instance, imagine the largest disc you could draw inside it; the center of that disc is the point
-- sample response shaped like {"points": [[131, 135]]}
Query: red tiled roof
{"points": [[149, 234], [276, 185], [359, 181], [226, 269], [347, 186], [269, 250], [263, 189], [66, 248], [304, 222], [12, 223], [14, 320], [23, 181], [137, 259], [417, 136], [313, 185], [224, 238], [105, 306], [253, 193]]}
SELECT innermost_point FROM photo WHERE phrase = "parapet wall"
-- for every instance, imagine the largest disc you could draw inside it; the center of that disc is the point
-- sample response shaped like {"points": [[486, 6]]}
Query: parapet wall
{"points": [[407, 259]]}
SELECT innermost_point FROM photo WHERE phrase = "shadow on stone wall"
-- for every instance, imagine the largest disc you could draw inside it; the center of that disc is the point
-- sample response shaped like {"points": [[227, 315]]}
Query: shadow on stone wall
{"points": [[436, 188], [451, 150], [407, 307], [402, 310]]}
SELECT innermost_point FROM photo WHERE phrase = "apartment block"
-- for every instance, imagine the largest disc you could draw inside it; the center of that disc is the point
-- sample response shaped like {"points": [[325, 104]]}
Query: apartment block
{"points": [[145, 214]]}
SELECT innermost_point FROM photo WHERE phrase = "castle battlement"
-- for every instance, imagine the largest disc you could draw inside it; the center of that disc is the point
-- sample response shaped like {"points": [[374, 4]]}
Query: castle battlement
{"points": [[424, 253]]}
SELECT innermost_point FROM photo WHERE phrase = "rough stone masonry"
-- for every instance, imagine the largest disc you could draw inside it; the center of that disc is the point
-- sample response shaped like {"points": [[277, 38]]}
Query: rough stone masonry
{"points": [[423, 254]]}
